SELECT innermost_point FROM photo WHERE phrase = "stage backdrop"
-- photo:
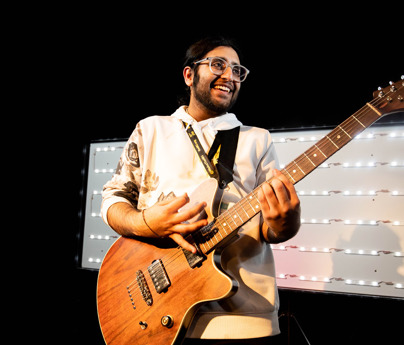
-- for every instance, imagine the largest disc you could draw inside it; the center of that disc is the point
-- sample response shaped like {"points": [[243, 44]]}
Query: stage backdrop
{"points": [[352, 234]]}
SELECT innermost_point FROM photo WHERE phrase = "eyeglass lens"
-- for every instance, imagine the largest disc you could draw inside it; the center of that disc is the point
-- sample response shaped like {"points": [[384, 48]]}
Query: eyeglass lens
{"points": [[218, 66]]}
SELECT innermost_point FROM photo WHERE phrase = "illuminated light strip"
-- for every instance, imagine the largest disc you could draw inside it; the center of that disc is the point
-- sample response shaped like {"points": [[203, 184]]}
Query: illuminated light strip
{"points": [[362, 282], [101, 237], [349, 193], [103, 171], [96, 260], [316, 279], [322, 279], [370, 164], [107, 148], [362, 252], [369, 252], [94, 214]]}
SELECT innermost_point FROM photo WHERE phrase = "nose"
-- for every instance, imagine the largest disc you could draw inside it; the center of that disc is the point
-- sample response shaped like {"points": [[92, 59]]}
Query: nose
{"points": [[228, 74]]}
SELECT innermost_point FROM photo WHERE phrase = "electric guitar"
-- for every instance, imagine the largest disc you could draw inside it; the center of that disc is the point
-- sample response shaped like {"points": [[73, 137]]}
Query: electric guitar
{"points": [[149, 289]]}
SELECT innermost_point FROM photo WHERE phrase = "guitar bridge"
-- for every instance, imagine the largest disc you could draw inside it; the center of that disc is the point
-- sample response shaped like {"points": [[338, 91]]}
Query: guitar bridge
{"points": [[144, 288]]}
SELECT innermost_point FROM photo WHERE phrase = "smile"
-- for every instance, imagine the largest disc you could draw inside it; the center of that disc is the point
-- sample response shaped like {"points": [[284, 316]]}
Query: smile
{"points": [[222, 88]]}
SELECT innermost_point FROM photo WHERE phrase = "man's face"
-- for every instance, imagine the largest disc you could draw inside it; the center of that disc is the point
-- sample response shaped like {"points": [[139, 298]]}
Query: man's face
{"points": [[216, 93]]}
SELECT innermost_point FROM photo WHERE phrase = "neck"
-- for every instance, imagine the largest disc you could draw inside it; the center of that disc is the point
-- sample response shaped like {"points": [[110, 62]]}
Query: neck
{"points": [[200, 113]]}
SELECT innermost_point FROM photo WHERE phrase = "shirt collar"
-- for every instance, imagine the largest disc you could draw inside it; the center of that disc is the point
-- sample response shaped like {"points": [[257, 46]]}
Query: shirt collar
{"points": [[219, 123]]}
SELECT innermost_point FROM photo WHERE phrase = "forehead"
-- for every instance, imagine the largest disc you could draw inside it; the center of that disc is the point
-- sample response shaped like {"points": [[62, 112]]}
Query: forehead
{"points": [[227, 53]]}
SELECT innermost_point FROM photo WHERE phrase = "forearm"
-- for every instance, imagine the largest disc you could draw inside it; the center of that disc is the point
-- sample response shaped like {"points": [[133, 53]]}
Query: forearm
{"points": [[127, 221]]}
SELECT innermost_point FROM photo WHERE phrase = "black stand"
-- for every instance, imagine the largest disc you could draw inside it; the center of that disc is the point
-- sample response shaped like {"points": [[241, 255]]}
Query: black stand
{"points": [[289, 316]]}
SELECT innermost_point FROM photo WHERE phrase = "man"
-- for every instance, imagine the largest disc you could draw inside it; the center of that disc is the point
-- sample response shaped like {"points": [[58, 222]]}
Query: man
{"points": [[160, 167]]}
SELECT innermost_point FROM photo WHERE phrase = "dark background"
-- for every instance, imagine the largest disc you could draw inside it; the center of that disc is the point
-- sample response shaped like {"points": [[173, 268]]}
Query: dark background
{"points": [[310, 67]]}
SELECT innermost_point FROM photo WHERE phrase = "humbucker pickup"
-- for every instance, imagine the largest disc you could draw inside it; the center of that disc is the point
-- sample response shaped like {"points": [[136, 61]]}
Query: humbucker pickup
{"points": [[159, 276]]}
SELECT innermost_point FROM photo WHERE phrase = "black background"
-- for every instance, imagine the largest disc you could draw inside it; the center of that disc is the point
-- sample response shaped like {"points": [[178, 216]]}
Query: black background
{"points": [[310, 67]]}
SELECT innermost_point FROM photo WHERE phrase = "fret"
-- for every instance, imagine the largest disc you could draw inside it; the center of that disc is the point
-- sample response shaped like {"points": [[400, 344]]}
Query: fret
{"points": [[325, 156], [344, 132], [299, 168], [354, 117], [309, 159], [332, 141]]}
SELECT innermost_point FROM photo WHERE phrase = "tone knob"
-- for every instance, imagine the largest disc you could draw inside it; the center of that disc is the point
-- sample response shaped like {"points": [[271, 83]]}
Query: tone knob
{"points": [[167, 321]]}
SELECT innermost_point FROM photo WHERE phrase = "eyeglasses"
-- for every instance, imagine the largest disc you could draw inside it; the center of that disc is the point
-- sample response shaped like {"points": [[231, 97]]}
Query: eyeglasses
{"points": [[218, 66]]}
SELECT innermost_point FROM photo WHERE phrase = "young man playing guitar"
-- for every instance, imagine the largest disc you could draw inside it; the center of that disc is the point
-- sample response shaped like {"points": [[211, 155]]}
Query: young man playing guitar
{"points": [[160, 167]]}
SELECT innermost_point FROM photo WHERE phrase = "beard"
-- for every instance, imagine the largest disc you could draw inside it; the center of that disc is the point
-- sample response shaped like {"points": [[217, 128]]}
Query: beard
{"points": [[203, 96]]}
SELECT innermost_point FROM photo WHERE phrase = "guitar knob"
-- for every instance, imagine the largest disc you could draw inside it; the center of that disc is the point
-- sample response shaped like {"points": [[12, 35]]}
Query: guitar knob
{"points": [[167, 321]]}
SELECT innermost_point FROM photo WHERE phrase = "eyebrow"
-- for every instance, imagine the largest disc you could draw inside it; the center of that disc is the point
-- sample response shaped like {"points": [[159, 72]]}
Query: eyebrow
{"points": [[231, 63]]}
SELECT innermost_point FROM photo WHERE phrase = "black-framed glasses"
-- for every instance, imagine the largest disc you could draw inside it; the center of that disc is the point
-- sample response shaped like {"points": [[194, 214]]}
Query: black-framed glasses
{"points": [[218, 66]]}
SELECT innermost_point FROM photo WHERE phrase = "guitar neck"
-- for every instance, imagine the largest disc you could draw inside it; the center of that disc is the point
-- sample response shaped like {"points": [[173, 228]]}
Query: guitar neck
{"points": [[231, 220]]}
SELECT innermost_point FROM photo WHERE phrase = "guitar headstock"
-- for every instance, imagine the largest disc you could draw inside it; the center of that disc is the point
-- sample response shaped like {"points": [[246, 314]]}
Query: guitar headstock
{"points": [[391, 98]]}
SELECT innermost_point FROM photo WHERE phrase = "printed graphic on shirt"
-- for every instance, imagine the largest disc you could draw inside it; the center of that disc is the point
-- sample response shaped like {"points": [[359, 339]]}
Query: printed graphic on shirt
{"points": [[163, 197], [133, 155], [150, 182], [130, 192]]}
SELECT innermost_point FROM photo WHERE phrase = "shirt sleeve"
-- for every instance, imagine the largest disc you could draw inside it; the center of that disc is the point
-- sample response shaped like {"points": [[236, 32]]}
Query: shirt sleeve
{"points": [[124, 186], [268, 162]]}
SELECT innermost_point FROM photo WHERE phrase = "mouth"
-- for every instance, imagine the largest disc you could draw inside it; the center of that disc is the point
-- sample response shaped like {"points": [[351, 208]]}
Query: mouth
{"points": [[223, 88]]}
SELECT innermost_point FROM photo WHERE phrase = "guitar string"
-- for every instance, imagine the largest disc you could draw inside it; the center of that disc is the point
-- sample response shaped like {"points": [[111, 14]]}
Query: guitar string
{"points": [[351, 122]]}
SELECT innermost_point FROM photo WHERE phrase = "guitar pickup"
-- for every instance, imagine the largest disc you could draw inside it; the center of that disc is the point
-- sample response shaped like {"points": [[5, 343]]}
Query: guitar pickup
{"points": [[159, 276]]}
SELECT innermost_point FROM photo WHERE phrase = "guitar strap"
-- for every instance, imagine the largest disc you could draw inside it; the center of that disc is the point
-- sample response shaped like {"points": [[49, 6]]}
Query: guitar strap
{"points": [[224, 146]]}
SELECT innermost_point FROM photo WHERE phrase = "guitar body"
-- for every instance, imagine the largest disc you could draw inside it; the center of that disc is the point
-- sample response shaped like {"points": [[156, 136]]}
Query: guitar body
{"points": [[126, 313]]}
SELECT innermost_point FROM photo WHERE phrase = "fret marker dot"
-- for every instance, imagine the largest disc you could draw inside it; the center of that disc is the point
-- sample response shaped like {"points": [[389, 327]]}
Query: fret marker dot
{"points": [[315, 155], [294, 171], [235, 216], [338, 136], [224, 224]]}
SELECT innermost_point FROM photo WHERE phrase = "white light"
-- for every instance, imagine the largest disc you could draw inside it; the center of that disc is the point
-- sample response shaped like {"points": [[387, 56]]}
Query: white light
{"points": [[347, 221], [348, 281], [392, 135], [393, 164], [93, 214], [92, 237], [302, 249], [324, 165], [96, 171], [359, 192], [399, 254], [372, 192], [325, 192], [313, 192], [301, 192], [345, 165], [347, 192], [396, 222], [282, 276], [90, 259], [398, 286], [358, 164], [394, 192]]}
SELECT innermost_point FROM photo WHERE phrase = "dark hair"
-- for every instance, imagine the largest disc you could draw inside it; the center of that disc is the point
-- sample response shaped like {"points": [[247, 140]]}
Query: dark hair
{"points": [[198, 50]]}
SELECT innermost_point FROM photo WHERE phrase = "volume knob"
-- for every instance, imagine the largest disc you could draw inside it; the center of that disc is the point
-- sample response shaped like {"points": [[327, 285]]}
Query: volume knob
{"points": [[167, 321]]}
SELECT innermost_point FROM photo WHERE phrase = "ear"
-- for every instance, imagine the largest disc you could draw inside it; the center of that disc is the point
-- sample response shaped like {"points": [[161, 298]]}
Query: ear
{"points": [[188, 76]]}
